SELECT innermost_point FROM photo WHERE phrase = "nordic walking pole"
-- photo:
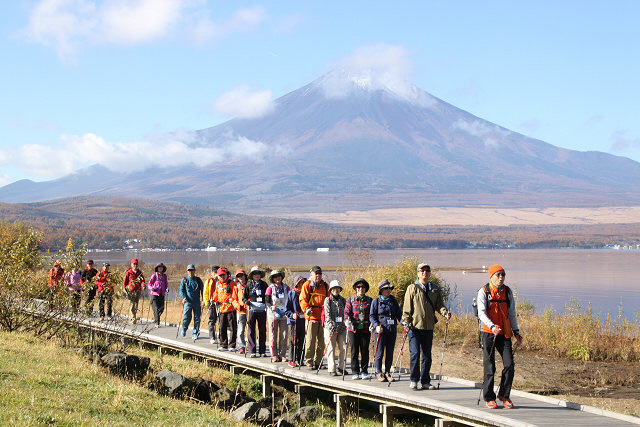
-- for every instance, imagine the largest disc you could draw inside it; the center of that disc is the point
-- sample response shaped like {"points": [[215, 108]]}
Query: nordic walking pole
{"points": [[346, 348], [179, 321], [404, 339], [304, 341], [325, 351], [493, 346], [444, 345]]}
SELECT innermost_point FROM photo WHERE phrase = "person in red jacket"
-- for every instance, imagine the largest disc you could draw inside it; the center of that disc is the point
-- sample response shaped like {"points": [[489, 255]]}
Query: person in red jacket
{"points": [[105, 291], [133, 283]]}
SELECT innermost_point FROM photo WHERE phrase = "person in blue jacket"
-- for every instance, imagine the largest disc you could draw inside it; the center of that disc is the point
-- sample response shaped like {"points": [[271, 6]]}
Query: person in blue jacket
{"points": [[191, 288], [295, 321], [385, 316]]}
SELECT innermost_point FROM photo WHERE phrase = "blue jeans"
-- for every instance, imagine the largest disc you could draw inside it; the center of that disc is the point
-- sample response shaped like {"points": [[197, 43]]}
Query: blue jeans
{"points": [[196, 309], [420, 341]]}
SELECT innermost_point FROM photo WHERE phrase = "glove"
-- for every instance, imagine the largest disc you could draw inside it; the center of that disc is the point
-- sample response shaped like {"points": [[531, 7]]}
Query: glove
{"points": [[378, 329], [496, 330], [308, 312], [407, 326]]}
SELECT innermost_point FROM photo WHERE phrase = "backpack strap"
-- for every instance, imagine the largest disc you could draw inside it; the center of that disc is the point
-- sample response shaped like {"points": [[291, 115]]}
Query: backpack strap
{"points": [[487, 292]]}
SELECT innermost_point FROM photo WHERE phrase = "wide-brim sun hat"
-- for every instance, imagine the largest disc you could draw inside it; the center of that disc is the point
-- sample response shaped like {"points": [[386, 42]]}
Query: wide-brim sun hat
{"points": [[335, 284], [275, 273], [361, 281], [256, 269], [298, 280], [161, 265], [385, 284]]}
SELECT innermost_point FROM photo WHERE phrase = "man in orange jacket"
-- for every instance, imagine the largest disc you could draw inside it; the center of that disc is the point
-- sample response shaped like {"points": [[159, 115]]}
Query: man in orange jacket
{"points": [[226, 295], [497, 312], [312, 296]]}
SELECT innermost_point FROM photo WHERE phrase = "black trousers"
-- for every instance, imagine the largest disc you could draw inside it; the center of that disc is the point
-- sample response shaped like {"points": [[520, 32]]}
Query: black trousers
{"points": [[91, 294], [213, 318], [157, 304], [228, 320], [386, 343], [296, 339], [105, 298], [503, 346], [359, 345]]}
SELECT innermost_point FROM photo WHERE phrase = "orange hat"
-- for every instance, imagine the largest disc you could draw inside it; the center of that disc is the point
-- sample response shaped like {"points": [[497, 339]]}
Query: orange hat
{"points": [[494, 269]]}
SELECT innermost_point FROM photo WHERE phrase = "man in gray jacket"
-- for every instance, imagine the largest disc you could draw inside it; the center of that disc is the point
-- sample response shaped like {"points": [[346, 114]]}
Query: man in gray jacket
{"points": [[421, 301]]}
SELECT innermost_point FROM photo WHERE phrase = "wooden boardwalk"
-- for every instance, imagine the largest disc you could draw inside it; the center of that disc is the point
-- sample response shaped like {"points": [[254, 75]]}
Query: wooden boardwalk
{"points": [[454, 403]]}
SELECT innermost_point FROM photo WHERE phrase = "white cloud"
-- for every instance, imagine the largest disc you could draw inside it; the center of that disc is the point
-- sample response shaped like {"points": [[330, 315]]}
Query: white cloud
{"points": [[68, 25], [73, 152], [620, 142], [5, 179], [378, 67], [203, 29], [242, 103], [490, 134]]}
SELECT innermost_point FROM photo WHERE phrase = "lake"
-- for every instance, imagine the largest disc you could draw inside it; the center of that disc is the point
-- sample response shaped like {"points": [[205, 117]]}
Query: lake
{"points": [[607, 279]]}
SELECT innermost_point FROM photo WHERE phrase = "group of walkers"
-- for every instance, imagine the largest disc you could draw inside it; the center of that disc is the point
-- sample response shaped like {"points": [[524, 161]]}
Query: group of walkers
{"points": [[311, 320]]}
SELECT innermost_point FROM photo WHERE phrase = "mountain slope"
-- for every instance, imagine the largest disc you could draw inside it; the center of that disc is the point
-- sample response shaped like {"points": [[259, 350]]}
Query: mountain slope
{"points": [[371, 148]]}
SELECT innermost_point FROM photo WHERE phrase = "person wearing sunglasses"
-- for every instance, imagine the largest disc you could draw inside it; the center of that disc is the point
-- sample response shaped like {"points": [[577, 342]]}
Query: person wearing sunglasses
{"points": [[497, 312]]}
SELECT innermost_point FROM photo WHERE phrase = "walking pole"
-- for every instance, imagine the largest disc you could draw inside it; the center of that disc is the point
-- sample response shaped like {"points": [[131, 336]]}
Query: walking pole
{"points": [[404, 339], [346, 348], [325, 350], [179, 322], [273, 337], [444, 344], [295, 336], [166, 305], [493, 345], [304, 341]]}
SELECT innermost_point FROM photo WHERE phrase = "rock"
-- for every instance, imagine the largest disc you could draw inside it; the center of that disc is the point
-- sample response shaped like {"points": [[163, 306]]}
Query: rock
{"points": [[173, 384], [284, 422], [265, 402], [306, 414], [263, 416], [246, 411], [204, 390], [126, 364], [224, 397]]}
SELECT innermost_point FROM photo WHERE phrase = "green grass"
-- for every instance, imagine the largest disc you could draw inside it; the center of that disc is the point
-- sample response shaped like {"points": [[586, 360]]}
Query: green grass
{"points": [[43, 384]]}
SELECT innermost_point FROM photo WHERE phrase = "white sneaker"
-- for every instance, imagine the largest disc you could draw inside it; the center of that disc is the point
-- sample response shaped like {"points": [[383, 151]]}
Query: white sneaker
{"points": [[364, 376], [212, 341], [413, 385], [419, 386], [355, 377]]}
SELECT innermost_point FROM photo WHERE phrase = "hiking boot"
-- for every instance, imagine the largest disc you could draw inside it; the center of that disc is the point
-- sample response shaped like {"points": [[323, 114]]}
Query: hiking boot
{"points": [[508, 404], [309, 365], [419, 386], [134, 321], [389, 377], [263, 355], [275, 359], [428, 386], [492, 404], [222, 349], [342, 371], [183, 333], [382, 378], [413, 385], [212, 341], [233, 349]]}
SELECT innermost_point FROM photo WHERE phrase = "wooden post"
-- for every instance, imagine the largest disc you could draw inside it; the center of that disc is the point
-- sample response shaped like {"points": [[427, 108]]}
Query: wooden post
{"points": [[266, 385], [302, 391], [341, 406]]}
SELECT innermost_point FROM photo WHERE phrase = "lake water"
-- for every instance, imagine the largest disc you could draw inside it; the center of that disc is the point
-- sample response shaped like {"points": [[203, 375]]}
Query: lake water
{"points": [[607, 279]]}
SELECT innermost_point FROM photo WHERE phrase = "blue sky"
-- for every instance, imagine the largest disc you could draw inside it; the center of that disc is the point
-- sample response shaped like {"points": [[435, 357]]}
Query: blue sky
{"points": [[88, 81]]}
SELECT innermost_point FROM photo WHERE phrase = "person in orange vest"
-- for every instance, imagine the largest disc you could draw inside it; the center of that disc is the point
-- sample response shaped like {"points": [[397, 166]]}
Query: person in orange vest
{"points": [[132, 285], [226, 295], [312, 296], [497, 312], [241, 284], [56, 273]]}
